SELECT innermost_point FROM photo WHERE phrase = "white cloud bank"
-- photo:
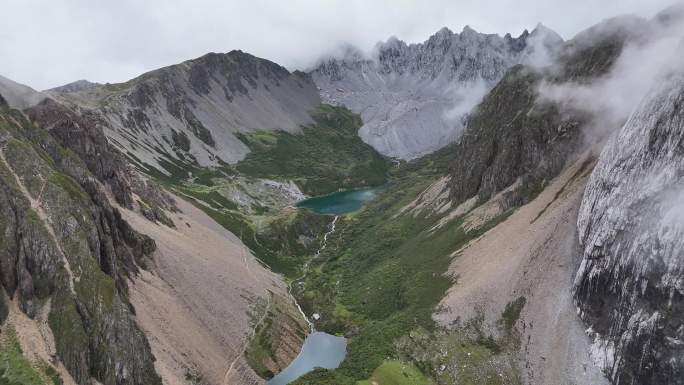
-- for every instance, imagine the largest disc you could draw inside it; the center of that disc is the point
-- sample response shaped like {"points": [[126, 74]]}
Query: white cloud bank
{"points": [[46, 43], [612, 98]]}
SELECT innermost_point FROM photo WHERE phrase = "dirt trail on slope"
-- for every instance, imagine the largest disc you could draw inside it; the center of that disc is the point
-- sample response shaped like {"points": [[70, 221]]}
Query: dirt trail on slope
{"points": [[37, 206], [36, 339], [194, 307], [252, 331], [532, 254]]}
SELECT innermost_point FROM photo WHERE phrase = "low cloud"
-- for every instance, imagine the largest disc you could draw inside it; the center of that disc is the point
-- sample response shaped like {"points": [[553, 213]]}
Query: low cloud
{"points": [[542, 46], [47, 43], [465, 97], [613, 97]]}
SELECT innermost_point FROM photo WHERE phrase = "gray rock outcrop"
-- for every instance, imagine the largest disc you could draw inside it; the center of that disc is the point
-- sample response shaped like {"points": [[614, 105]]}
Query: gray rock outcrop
{"points": [[518, 135], [414, 98], [630, 285], [65, 250]]}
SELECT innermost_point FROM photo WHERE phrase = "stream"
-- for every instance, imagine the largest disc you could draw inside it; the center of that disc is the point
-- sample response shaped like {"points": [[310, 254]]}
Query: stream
{"points": [[320, 350], [306, 271]]}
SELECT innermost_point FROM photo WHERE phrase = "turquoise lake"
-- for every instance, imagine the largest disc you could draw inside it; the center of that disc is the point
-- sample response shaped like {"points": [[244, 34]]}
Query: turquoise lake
{"points": [[339, 203], [320, 350]]}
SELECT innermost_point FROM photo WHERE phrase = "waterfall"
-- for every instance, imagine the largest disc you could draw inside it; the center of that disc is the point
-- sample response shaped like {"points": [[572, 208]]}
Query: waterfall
{"points": [[306, 271]]}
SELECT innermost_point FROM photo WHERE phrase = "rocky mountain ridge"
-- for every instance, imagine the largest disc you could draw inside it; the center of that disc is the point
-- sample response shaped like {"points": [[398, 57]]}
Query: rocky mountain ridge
{"points": [[413, 98], [78, 85], [517, 135], [70, 256], [190, 113], [627, 288]]}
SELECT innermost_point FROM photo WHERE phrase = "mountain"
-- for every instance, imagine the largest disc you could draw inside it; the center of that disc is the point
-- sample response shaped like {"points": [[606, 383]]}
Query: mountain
{"points": [[100, 266], [66, 255], [518, 138], [464, 269], [531, 151], [631, 226], [192, 112], [78, 85], [413, 98], [18, 95], [152, 234], [218, 149]]}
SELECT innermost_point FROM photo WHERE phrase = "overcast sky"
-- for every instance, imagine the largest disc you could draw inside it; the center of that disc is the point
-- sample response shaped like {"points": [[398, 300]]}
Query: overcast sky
{"points": [[46, 43]]}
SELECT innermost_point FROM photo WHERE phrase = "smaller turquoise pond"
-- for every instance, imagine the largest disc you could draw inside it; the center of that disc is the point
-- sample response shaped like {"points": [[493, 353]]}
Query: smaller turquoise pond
{"points": [[320, 350], [339, 203]]}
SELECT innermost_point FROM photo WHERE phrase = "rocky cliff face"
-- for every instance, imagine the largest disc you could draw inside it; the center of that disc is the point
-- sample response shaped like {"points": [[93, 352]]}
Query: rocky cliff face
{"points": [[65, 251], [413, 98], [190, 113], [513, 136], [520, 136], [83, 135], [629, 287], [73, 260], [82, 131]]}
